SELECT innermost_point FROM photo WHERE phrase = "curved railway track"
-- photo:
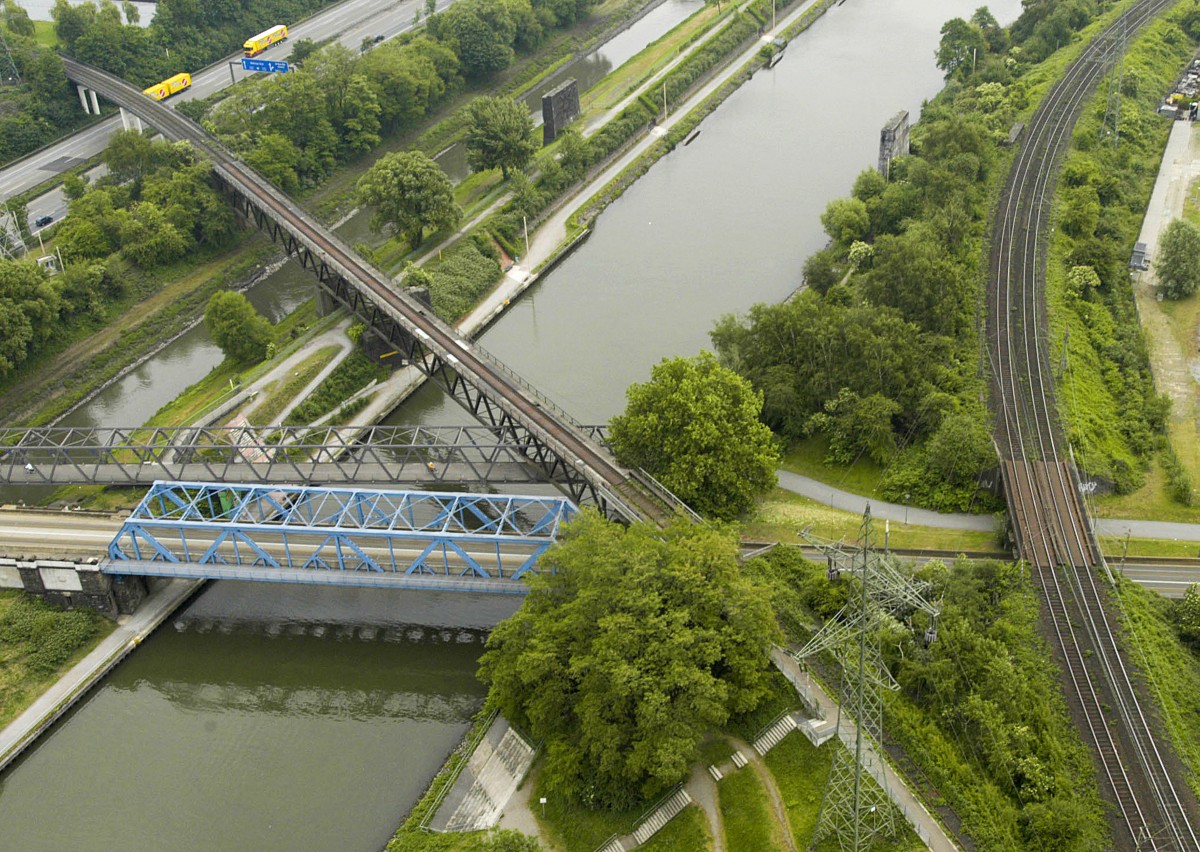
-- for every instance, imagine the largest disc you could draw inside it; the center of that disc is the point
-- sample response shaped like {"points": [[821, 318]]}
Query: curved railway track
{"points": [[1150, 811], [516, 398]]}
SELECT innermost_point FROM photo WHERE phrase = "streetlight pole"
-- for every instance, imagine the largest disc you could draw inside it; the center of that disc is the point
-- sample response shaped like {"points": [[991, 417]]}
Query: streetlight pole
{"points": [[525, 222]]}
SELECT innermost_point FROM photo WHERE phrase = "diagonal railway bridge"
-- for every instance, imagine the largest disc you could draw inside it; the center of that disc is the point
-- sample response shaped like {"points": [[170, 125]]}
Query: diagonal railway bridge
{"points": [[1140, 777], [551, 439]]}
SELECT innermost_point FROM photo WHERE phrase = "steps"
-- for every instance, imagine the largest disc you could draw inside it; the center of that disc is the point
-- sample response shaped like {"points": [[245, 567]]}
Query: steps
{"points": [[614, 845], [493, 773], [662, 816], [771, 737], [739, 759]]}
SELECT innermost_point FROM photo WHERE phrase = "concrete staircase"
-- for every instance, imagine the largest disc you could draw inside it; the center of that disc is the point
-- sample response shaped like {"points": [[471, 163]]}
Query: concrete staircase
{"points": [[770, 738], [661, 816], [492, 775]]}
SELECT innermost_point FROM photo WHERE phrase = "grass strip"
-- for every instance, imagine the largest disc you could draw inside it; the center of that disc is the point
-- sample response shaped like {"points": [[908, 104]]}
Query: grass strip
{"points": [[284, 391], [749, 824]]}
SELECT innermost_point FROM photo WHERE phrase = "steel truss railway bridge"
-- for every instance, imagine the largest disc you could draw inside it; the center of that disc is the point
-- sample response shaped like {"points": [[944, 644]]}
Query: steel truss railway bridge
{"points": [[375, 455], [551, 440], [1139, 775]]}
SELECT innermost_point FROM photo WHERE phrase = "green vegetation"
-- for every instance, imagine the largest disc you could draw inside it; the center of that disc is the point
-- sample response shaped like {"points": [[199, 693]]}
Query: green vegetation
{"points": [[695, 427], [686, 832], [410, 193], [38, 642], [624, 658], [1178, 262], [800, 770], [1115, 418], [281, 393], [493, 840], [1161, 636], [457, 280], [353, 374], [500, 135], [979, 715], [746, 814], [242, 332]]}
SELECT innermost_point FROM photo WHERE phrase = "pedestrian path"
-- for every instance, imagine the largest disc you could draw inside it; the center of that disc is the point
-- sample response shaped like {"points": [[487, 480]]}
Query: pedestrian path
{"points": [[838, 498]]}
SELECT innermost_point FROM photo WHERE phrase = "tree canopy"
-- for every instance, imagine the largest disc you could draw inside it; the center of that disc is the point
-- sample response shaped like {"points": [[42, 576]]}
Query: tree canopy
{"points": [[499, 135], [241, 332], [410, 193], [632, 645], [695, 426], [1178, 261]]}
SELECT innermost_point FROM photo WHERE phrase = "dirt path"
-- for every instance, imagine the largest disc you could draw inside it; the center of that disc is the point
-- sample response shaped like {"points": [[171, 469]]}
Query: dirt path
{"points": [[703, 790]]}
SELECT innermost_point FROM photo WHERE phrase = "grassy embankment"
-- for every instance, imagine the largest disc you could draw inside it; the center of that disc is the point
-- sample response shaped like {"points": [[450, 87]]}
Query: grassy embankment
{"points": [[1105, 394], [37, 644], [156, 306], [1172, 670]]}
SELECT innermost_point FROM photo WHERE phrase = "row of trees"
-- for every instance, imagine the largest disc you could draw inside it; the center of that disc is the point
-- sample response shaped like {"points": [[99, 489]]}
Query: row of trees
{"points": [[41, 106], [294, 128]]}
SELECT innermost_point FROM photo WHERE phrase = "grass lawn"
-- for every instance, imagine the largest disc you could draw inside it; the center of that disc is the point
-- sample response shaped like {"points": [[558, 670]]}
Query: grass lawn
{"points": [[25, 670], [613, 88], [800, 770], [750, 825], [1114, 548], [1152, 501], [782, 515], [807, 458], [687, 832], [282, 392], [576, 829], [43, 33]]}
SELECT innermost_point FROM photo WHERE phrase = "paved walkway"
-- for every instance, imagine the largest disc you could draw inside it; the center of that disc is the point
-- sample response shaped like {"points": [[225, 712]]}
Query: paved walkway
{"points": [[129, 633], [881, 510]]}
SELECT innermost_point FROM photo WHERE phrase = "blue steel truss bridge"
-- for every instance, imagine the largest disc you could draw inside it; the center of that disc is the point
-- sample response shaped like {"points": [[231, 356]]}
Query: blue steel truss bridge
{"points": [[337, 536]]}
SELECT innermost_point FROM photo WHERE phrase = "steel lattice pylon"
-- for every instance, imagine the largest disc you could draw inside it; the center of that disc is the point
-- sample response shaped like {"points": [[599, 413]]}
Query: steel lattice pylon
{"points": [[856, 806]]}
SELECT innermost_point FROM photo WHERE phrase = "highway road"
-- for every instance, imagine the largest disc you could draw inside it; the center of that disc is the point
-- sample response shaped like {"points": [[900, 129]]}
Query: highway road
{"points": [[349, 23]]}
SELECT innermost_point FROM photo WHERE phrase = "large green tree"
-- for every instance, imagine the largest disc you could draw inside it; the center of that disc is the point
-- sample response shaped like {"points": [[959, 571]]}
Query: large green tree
{"points": [[241, 332], [409, 193], [29, 306], [631, 646], [1178, 261], [500, 135], [695, 426]]}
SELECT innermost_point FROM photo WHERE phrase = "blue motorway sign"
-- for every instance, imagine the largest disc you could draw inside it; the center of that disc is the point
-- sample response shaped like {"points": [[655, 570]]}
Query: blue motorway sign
{"points": [[268, 65]]}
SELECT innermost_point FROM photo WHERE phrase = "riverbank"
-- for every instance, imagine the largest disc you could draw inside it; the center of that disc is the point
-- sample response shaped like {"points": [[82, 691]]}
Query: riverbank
{"points": [[131, 631]]}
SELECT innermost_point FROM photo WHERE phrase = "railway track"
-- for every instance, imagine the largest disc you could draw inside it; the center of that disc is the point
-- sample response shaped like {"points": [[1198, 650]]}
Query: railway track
{"points": [[1050, 522], [518, 400]]}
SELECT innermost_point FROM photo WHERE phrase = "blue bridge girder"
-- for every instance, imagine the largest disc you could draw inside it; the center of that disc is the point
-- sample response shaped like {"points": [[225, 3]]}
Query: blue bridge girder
{"points": [[341, 536]]}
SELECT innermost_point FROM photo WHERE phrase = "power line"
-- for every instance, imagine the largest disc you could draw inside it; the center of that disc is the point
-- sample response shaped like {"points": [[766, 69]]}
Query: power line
{"points": [[856, 807]]}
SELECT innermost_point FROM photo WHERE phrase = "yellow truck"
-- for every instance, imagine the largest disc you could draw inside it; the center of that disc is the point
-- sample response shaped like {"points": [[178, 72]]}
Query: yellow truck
{"points": [[168, 87], [256, 45]]}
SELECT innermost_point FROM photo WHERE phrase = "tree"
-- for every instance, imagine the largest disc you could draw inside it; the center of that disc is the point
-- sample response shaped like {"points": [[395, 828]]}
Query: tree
{"points": [[632, 645], [29, 306], [17, 20], [1178, 261], [241, 332], [1186, 614], [960, 46], [695, 426], [961, 448], [277, 159], [410, 193], [846, 220], [499, 135]]}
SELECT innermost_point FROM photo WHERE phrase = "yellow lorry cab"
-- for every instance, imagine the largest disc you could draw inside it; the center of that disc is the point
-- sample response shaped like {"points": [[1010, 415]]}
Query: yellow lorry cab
{"points": [[170, 86], [256, 45]]}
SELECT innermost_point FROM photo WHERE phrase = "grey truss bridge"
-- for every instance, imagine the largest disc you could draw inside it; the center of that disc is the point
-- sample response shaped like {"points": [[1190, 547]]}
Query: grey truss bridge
{"points": [[424, 456], [552, 440]]}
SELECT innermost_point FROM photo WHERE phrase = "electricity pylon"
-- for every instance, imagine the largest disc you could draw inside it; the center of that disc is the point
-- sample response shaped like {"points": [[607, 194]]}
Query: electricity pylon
{"points": [[856, 807], [10, 73]]}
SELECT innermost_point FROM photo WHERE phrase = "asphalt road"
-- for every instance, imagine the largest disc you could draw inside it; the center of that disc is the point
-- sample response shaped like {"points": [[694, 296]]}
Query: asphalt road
{"points": [[349, 23]]}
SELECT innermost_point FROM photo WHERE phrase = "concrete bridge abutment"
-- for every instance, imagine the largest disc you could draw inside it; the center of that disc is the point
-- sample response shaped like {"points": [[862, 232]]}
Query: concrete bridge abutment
{"points": [[72, 585]]}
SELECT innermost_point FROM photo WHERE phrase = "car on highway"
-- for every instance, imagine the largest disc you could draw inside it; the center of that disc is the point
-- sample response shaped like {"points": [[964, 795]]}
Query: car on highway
{"points": [[42, 221]]}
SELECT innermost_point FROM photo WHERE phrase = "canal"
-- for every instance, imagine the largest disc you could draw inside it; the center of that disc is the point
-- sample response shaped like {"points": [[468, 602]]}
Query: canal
{"points": [[277, 717]]}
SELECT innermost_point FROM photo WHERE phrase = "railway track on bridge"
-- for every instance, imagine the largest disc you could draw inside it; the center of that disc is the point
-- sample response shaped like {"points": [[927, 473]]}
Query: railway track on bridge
{"points": [[514, 400], [1051, 527]]}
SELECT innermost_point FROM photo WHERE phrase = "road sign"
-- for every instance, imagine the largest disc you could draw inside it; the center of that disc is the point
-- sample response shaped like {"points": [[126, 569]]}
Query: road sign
{"points": [[268, 65]]}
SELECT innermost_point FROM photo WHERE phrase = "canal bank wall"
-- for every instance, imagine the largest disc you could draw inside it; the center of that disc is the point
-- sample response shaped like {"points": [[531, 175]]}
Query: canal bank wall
{"points": [[130, 632]]}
